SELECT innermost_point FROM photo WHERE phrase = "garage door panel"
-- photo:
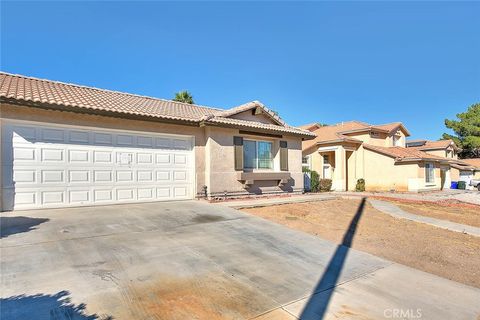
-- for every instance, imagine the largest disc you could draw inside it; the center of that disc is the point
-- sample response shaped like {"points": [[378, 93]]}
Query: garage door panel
{"points": [[25, 198], [52, 176], [127, 194], [24, 176], [124, 176], [102, 157], [103, 176], [78, 156], [180, 176], [61, 166], [50, 155], [180, 191], [103, 195], [163, 175], [144, 158], [79, 196], [146, 193], [145, 176], [79, 176], [54, 197], [163, 193]]}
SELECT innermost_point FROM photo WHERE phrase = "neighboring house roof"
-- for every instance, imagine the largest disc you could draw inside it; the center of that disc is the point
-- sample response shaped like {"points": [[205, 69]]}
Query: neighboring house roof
{"points": [[431, 145], [18, 89], [311, 126], [475, 162], [404, 154], [340, 131], [462, 166]]}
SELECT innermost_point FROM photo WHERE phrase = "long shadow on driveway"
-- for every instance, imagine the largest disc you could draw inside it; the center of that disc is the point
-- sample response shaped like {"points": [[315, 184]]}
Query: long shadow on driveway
{"points": [[317, 306], [13, 225], [44, 306]]}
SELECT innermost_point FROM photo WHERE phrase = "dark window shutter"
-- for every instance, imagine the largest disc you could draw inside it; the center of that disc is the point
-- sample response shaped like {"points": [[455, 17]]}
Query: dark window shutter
{"points": [[238, 145], [283, 156]]}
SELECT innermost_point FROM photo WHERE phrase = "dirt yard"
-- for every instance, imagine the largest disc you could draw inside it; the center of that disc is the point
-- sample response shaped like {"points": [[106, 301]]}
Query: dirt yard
{"points": [[459, 213], [445, 253]]}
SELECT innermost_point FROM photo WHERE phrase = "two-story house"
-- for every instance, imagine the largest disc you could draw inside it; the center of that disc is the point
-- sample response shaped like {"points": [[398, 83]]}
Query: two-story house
{"points": [[348, 151], [460, 170]]}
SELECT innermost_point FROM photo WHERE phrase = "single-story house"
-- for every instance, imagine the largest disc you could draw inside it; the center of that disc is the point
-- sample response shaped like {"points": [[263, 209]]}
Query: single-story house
{"points": [[70, 145], [348, 151]]}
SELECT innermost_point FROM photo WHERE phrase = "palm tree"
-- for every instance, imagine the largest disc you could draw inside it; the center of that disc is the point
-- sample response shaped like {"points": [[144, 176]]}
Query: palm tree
{"points": [[184, 96]]}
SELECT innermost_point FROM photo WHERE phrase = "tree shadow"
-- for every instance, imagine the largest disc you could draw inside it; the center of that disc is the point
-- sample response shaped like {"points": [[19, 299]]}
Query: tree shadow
{"points": [[13, 225], [317, 305], [42, 306]]}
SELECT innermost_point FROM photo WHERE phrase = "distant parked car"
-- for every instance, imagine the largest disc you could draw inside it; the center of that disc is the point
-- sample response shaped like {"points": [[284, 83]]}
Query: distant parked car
{"points": [[475, 183]]}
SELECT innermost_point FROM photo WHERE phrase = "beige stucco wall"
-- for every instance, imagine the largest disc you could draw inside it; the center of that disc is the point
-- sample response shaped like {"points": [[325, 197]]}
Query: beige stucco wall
{"points": [[220, 165], [439, 153], [380, 139], [476, 174], [455, 174], [382, 174], [214, 168]]}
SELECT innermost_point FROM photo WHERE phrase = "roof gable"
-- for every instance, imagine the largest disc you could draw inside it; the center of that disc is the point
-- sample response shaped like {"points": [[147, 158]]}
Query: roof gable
{"points": [[257, 108]]}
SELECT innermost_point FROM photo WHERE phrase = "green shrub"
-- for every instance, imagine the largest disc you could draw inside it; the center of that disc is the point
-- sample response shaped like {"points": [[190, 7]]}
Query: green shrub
{"points": [[325, 185], [305, 169], [314, 181], [360, 185]]}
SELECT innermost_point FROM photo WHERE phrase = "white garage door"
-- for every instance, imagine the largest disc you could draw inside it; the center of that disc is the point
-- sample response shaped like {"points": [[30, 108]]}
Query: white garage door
{"points": [[47, 167]]}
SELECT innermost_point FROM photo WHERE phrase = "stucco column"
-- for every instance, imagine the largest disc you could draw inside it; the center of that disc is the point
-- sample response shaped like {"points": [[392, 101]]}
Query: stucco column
{"points": [[340, 173], [1, 165]]}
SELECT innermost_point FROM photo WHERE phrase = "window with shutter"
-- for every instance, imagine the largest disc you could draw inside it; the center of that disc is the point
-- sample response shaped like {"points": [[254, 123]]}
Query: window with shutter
{"points": [[238, 150], [283, 156]]}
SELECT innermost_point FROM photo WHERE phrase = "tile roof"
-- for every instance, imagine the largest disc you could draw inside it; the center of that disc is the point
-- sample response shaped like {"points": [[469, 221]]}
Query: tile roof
{"points": [[475, 162], [310, 126], [404, 154], [340, 131], [431, 145], [64, 96]]}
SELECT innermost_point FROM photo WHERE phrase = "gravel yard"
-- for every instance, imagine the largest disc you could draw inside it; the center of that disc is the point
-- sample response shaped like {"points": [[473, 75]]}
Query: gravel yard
{"points": [[445, 253]]}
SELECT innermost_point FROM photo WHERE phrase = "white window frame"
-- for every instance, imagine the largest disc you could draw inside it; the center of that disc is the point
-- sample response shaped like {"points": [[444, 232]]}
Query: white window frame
{"points": [[307, 164], [429, 166], [396, 140], [256, 155]]}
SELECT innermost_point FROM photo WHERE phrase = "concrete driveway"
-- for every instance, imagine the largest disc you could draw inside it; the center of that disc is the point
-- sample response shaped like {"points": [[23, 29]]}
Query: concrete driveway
{"points": [[192, 260]]}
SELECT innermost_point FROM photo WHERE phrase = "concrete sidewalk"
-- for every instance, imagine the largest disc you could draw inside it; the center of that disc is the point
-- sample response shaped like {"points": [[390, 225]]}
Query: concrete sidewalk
{"points": [[264, 202], [395, 211]]}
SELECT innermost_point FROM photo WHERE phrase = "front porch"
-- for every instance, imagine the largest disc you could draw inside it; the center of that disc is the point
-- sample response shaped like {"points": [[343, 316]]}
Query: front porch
{"points": [[338, 163]]}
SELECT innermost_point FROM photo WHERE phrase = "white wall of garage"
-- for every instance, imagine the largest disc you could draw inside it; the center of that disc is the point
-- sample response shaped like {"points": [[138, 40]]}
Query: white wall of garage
{"points": [[45, 166]]}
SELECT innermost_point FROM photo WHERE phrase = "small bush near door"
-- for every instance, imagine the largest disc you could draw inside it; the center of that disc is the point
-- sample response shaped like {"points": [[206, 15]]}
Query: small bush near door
{"points": [[314, 181], [360, 185], [325, 185]]}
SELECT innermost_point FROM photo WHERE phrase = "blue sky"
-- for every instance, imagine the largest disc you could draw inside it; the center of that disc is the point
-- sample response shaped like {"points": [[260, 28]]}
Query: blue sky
{"points": [[415, 62]]}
